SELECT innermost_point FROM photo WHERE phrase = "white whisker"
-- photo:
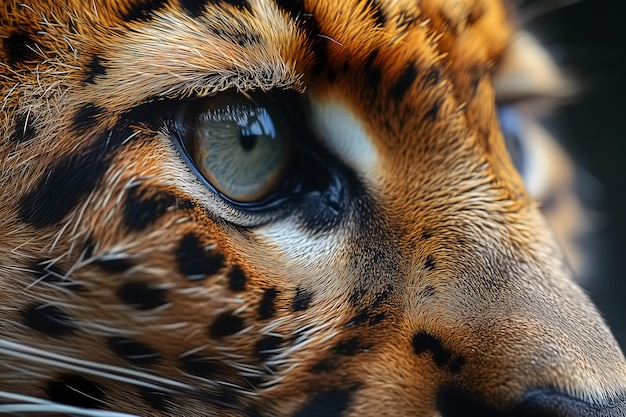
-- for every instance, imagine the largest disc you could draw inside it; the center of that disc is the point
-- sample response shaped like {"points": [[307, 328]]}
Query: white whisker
{"points": [[33, 405]]}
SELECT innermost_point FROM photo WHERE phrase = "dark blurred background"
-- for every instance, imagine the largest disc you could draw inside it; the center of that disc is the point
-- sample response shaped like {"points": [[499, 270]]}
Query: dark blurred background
{"points": [[588, 38]]}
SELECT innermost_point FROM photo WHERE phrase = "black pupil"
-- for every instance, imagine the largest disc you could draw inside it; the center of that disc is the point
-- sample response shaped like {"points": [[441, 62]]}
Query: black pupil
{"points": [[247, 141]]}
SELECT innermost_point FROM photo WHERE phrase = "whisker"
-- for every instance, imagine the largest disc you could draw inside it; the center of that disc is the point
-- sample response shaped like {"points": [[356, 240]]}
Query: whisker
{"points": [[33, 405], [129, 376]]}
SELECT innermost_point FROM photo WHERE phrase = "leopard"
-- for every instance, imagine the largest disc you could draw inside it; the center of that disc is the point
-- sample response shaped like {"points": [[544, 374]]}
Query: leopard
{"points": [[283, 208]]}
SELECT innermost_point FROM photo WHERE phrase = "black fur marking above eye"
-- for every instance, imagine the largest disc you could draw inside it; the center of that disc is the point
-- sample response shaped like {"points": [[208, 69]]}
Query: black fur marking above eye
{"points": [[265, 347], [18, 47], [429, 263], [48, 319], [62, 187], [141, 211], [199, 366], [404, 83], [226, 325], [331, 403], [266, 308], [302, 299], [141, 10], [237, 279], [75, 390], [194, 261], [94, 69], [86, 117], [424, 342], [24, 131], [52, 274], [133, 351], [142, 295]]}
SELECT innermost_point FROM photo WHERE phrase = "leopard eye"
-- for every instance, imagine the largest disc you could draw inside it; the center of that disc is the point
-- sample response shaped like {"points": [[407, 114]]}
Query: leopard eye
{"points": [[239, 144]]}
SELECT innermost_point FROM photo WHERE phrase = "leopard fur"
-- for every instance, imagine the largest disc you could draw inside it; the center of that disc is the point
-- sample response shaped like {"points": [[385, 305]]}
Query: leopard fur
{"points": [[411, 273]]}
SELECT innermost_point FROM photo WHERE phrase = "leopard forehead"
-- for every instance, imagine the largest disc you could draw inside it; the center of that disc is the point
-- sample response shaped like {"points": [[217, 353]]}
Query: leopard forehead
{"points": [[419, 277]]}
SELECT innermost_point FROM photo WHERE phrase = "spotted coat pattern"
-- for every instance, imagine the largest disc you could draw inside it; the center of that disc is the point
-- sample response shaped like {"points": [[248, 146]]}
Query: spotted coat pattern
{"points": [[409, 273]]}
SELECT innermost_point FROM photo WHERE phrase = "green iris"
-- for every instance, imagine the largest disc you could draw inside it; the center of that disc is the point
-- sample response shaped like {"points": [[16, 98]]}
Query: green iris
{"points": [[240, 145]]}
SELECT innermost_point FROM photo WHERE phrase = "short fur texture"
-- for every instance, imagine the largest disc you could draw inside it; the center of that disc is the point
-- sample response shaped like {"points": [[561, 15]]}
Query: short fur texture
{"points": [[419, 279]]}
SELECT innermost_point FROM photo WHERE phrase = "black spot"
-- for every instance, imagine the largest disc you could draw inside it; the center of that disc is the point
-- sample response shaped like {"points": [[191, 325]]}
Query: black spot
{"points": [[133, 351], [325, 365], [266, 308], [426, 234], [114, 265], [374, 74], [51, 274], [241, 38], [86, 117], [264, 348], [359, 318], [23, 130], [142, 295], [433, 112], [239, 4], [77, 391], [157, 400], [403, 83], [194, 7], [350, 347], [429, 263], [48, 319], [197, 7], [194, 261], [377, 12], [237, 279], [423, 342], [64, 185], [142, 10], [294, 8], [328, 404], [94, 69], [369, 311], [142, 210], [199, 366], [302, 300], [456, 364], [225, 325], [19, 47]]}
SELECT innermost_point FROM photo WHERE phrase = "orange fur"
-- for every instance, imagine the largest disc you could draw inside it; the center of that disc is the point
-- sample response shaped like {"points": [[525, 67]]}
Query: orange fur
{"points": [[438, 272]]}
